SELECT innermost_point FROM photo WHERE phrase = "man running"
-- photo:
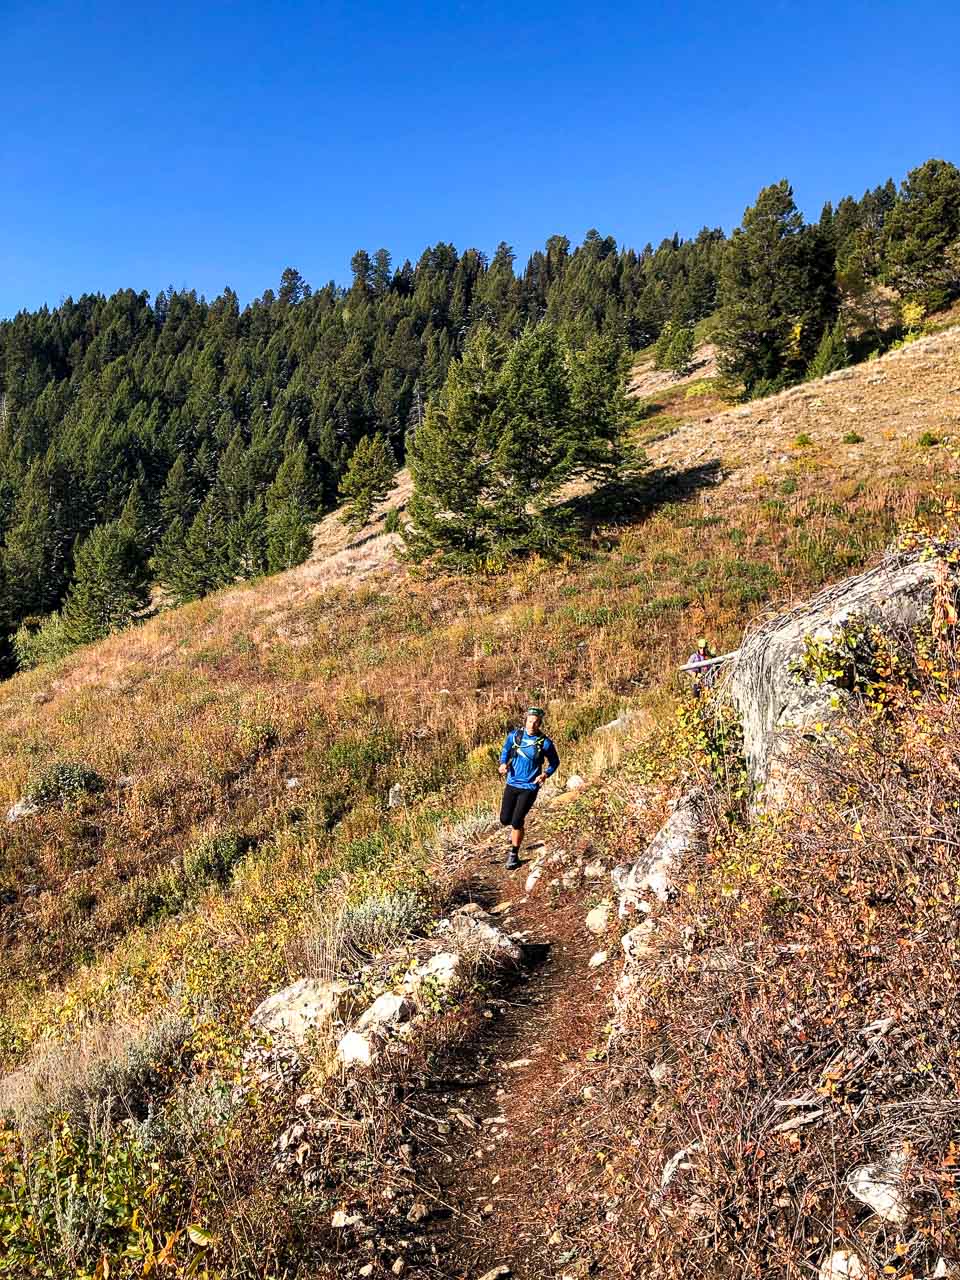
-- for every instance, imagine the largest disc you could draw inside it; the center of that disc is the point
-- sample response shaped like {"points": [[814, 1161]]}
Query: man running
{"points": [[528, 758]]}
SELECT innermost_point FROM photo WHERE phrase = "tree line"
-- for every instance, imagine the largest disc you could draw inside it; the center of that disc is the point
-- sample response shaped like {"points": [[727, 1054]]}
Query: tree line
{"points": [[187, 444]]}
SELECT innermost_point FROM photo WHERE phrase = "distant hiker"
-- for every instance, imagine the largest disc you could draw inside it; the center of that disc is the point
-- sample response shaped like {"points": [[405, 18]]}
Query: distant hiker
{"points": [[528, 758], [702, 675]]}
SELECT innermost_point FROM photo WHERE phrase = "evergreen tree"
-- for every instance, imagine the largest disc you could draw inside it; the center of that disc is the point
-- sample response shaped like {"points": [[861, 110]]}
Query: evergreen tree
{"points": [[679, 357], [368, 479], [289, 512], [451, 461], [923, 235], [110, 584], [832, 353], [777, 293]]}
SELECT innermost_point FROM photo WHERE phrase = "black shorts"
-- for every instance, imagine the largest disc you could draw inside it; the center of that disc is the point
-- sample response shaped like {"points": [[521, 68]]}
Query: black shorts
{"points": [[517, 803]]}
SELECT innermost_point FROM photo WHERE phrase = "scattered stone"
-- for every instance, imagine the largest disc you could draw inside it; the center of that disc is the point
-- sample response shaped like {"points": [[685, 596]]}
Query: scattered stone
{"points": [[518, 1063], [599, 918], [575, 782], [498, 1273], [588, 1093], [343, 1219], [293, 784], [418, 1212], [533, 879], [501, 907], [638, 942], [880, 1188], [398, 1267], [22, 809], [594, 870], [571, 879], [387, 1010], [555, 1239], [842, 1264], [487, 1210], [395, 796], [366, 1270], [296, 1011], [355, 1050], [597, 959]]}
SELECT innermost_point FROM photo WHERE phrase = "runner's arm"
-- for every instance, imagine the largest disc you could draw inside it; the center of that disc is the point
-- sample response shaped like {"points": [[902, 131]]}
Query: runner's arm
{"points": [[552, 758]]}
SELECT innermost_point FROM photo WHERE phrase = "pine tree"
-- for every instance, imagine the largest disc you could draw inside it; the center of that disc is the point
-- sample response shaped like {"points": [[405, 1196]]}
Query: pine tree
{"points": [[923, 235], [110, 585], [289, 512], [368, 479], [539, 442], [600, 409], [451, 461], [777, 293], [832, 353]]}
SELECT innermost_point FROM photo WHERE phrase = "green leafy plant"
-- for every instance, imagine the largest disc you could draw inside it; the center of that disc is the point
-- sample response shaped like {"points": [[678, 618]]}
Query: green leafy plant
{"points": [[853, 437], [62, 783]]}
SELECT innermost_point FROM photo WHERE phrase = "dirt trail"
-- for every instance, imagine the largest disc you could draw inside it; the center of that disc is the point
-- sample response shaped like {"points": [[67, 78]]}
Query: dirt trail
{"points": [[486, 1127]]}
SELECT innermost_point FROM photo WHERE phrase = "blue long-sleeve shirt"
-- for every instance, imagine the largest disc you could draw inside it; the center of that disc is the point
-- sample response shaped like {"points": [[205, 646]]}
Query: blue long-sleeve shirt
{"points": [[526, 764]]}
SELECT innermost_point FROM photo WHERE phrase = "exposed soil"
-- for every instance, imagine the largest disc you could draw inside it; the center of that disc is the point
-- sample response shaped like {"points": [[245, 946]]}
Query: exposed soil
{"points": [[488, 1126]]}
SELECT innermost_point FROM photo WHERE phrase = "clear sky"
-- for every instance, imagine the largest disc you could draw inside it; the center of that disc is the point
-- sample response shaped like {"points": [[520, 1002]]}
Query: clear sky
{"points": [[211, 143]]}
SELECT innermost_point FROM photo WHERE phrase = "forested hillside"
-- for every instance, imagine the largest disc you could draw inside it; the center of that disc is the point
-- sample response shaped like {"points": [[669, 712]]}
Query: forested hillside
{"points": [[191, 443]]}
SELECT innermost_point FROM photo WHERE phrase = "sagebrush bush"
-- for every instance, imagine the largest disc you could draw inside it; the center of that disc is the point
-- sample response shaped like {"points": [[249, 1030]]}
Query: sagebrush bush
{"points": [[63, 782]]}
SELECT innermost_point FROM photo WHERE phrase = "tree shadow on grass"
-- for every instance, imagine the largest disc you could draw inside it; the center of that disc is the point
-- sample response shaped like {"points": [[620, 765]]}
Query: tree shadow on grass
{"points": [[632, 498]]}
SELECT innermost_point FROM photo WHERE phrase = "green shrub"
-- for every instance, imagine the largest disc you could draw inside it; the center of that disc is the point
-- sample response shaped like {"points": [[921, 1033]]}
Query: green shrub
{"points": [[788, 485], [212, 860], [63, 782], [803, 440], [378, 923], [392, 521], [41, 640], [853, 437], [928, 440]]}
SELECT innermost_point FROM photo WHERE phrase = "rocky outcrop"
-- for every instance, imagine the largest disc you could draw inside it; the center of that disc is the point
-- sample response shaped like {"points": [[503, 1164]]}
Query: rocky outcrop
{"points": [[775, 705], [680, 842]]}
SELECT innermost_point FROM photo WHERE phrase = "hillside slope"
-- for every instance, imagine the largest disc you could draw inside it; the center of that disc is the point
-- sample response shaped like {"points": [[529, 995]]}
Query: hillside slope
{"points": [[212, 789]]}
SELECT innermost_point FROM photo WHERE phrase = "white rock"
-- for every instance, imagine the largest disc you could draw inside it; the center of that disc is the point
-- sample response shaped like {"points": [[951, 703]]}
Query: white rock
{"points": [[476, 929], [388, 1010], [441, 970], [395, 796], [661, 1074], [293, 1013], [654, 875], [842, 1264], [571, 879], [599, 918], [533, 879], [575, 782], [597, 959], [355, 1050], [498, 1273], [594, 870], [880, 1188], [638, 942], [343, 1219], [292, 784], [366, 1270], [22, 809]]}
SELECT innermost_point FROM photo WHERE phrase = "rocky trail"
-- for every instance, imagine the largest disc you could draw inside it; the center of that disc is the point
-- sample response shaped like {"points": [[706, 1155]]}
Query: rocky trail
{"points": [[485, 1190]]}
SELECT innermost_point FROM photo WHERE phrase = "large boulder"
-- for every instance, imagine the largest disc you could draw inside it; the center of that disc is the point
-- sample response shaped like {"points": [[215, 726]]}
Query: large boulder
{"points": [[775, 705]]}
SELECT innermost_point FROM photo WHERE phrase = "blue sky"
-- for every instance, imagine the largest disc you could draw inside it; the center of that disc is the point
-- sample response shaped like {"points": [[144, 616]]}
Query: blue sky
{"points": [[211, 143]]}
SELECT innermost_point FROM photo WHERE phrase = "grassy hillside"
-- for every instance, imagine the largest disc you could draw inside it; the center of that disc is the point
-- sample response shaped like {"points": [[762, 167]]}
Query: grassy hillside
{"points": [[240, 751]]}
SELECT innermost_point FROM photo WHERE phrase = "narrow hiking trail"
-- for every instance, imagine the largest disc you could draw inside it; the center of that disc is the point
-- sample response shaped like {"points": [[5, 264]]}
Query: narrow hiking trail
{"points": [[488, 1177]]}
